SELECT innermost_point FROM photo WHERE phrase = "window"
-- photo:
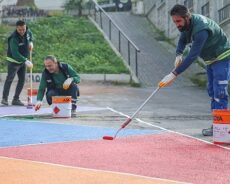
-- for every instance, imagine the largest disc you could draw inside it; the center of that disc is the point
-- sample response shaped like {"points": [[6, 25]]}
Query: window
{"points": [[205, 10], [224, 13]]}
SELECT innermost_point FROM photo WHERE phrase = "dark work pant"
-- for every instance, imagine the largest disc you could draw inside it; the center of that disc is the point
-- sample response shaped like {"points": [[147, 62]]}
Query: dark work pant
{"points": [[13, 69], [73, 91]]}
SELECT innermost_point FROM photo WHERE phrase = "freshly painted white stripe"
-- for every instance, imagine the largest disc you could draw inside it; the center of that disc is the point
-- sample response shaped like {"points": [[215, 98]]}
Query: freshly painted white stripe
{"points": [[141, 121], [113, 110]]}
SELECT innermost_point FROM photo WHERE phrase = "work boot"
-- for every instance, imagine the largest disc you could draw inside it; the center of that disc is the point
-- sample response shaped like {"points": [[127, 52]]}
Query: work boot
{"points": [[73, 113], [17, 102], [208, 131], [4, 101]]}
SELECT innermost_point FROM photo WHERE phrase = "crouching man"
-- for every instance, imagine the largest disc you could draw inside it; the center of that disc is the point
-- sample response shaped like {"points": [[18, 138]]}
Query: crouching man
{"points": [[58, 79]]}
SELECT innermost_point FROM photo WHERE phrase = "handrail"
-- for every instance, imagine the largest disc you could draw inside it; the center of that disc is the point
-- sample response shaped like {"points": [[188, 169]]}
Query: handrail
{"points": [[98, 6]]}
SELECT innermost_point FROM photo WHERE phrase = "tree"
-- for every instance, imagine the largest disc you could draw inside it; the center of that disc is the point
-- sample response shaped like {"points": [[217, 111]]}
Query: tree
{"points": [[29, 3], [74, 5]]}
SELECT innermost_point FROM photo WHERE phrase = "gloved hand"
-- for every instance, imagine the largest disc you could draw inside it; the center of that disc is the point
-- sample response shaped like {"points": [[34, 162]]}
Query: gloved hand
{"points": [[31, 46], [67, 83], [38, 105], [29, 64], [167, 80], [178, 61]]}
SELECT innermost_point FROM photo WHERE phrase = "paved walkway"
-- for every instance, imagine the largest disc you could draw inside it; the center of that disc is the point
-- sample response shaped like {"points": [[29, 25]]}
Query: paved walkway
{"points": [[154, 60]]}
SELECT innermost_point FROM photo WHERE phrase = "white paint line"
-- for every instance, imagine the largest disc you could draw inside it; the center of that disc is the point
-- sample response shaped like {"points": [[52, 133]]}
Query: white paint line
{"points": [[113, 110], [93, 170], [141, 121], [42, 113]]}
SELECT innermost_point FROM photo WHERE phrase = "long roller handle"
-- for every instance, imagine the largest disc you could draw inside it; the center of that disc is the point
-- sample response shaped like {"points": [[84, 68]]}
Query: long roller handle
{"points": [[153, 93], [128, 120], [31, 80], [138, 110]]}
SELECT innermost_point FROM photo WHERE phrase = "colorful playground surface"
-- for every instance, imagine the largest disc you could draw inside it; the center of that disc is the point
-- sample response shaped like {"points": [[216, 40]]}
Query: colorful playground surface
{"points": [[40, 150]]}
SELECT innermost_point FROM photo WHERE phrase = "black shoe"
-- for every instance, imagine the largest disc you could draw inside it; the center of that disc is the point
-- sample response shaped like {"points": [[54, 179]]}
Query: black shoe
{"points": [[17, 102], [4, 101], [208, 131], [73, 113]]}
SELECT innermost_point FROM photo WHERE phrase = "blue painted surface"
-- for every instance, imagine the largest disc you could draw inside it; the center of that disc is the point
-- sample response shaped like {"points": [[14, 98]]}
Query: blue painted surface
{"points": [[15, 133]]}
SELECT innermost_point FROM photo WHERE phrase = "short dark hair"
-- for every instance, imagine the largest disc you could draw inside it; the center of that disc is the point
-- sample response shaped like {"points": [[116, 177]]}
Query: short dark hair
{"points": [[180, 10], [51, 57], [20, 23]]}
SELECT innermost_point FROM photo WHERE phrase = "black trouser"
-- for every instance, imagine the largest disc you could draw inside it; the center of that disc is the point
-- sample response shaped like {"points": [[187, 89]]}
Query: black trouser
{"points": [[13, 69], [73, 91]]}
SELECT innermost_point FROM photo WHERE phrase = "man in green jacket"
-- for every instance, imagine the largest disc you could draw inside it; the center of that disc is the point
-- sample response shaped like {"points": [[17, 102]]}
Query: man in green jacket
{"points": [[58, 79], [19, 47], [209, 42]]}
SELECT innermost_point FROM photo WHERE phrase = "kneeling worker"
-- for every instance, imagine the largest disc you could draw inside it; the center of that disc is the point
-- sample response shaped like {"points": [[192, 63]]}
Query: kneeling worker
{"points": [[58, 79]]}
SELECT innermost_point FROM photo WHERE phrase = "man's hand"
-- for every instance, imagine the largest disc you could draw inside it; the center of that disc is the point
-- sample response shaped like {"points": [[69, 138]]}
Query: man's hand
{"points": [[167, 80], [38, 105], [29, 64], [178, 61], [31, 46], [67, 83]]}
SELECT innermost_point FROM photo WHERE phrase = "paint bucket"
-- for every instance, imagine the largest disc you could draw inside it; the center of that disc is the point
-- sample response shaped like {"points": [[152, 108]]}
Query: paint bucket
{"points": [[61, 106], [32, 95], [221, 127]]}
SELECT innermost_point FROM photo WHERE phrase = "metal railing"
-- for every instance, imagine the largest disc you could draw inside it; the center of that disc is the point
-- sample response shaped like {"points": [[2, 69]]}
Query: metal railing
{"points": [[117, 37], [224, 13]]}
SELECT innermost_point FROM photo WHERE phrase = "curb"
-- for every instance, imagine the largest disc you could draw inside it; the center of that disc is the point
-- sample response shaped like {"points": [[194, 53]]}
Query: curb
{"points": [[121, 78]]}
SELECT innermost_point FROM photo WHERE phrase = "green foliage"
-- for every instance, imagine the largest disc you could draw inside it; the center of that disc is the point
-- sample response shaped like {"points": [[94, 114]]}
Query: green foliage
{"points": [[72, 40], [4, 33], [75, 41], [200, 79], [74, 5]]}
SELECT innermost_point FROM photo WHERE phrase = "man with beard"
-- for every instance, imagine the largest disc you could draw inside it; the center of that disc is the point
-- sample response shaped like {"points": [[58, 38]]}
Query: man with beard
{"points": [[58, 79], [209, 42]]}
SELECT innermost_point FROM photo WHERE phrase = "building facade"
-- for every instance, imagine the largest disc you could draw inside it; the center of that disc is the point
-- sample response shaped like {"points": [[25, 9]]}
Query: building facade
{"points": [[157, 11]]}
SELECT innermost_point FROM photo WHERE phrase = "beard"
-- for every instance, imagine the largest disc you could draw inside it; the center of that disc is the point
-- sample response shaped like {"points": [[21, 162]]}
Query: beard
{"points": [[185, 27]]}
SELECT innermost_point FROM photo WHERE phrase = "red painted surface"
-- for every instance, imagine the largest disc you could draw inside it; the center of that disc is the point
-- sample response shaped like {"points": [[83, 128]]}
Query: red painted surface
{"points": [[166, 156]]}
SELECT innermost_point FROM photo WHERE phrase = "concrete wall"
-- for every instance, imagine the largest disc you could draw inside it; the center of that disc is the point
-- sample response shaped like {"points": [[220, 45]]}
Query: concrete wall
{"points": [[157, 12], [119, 78]]}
